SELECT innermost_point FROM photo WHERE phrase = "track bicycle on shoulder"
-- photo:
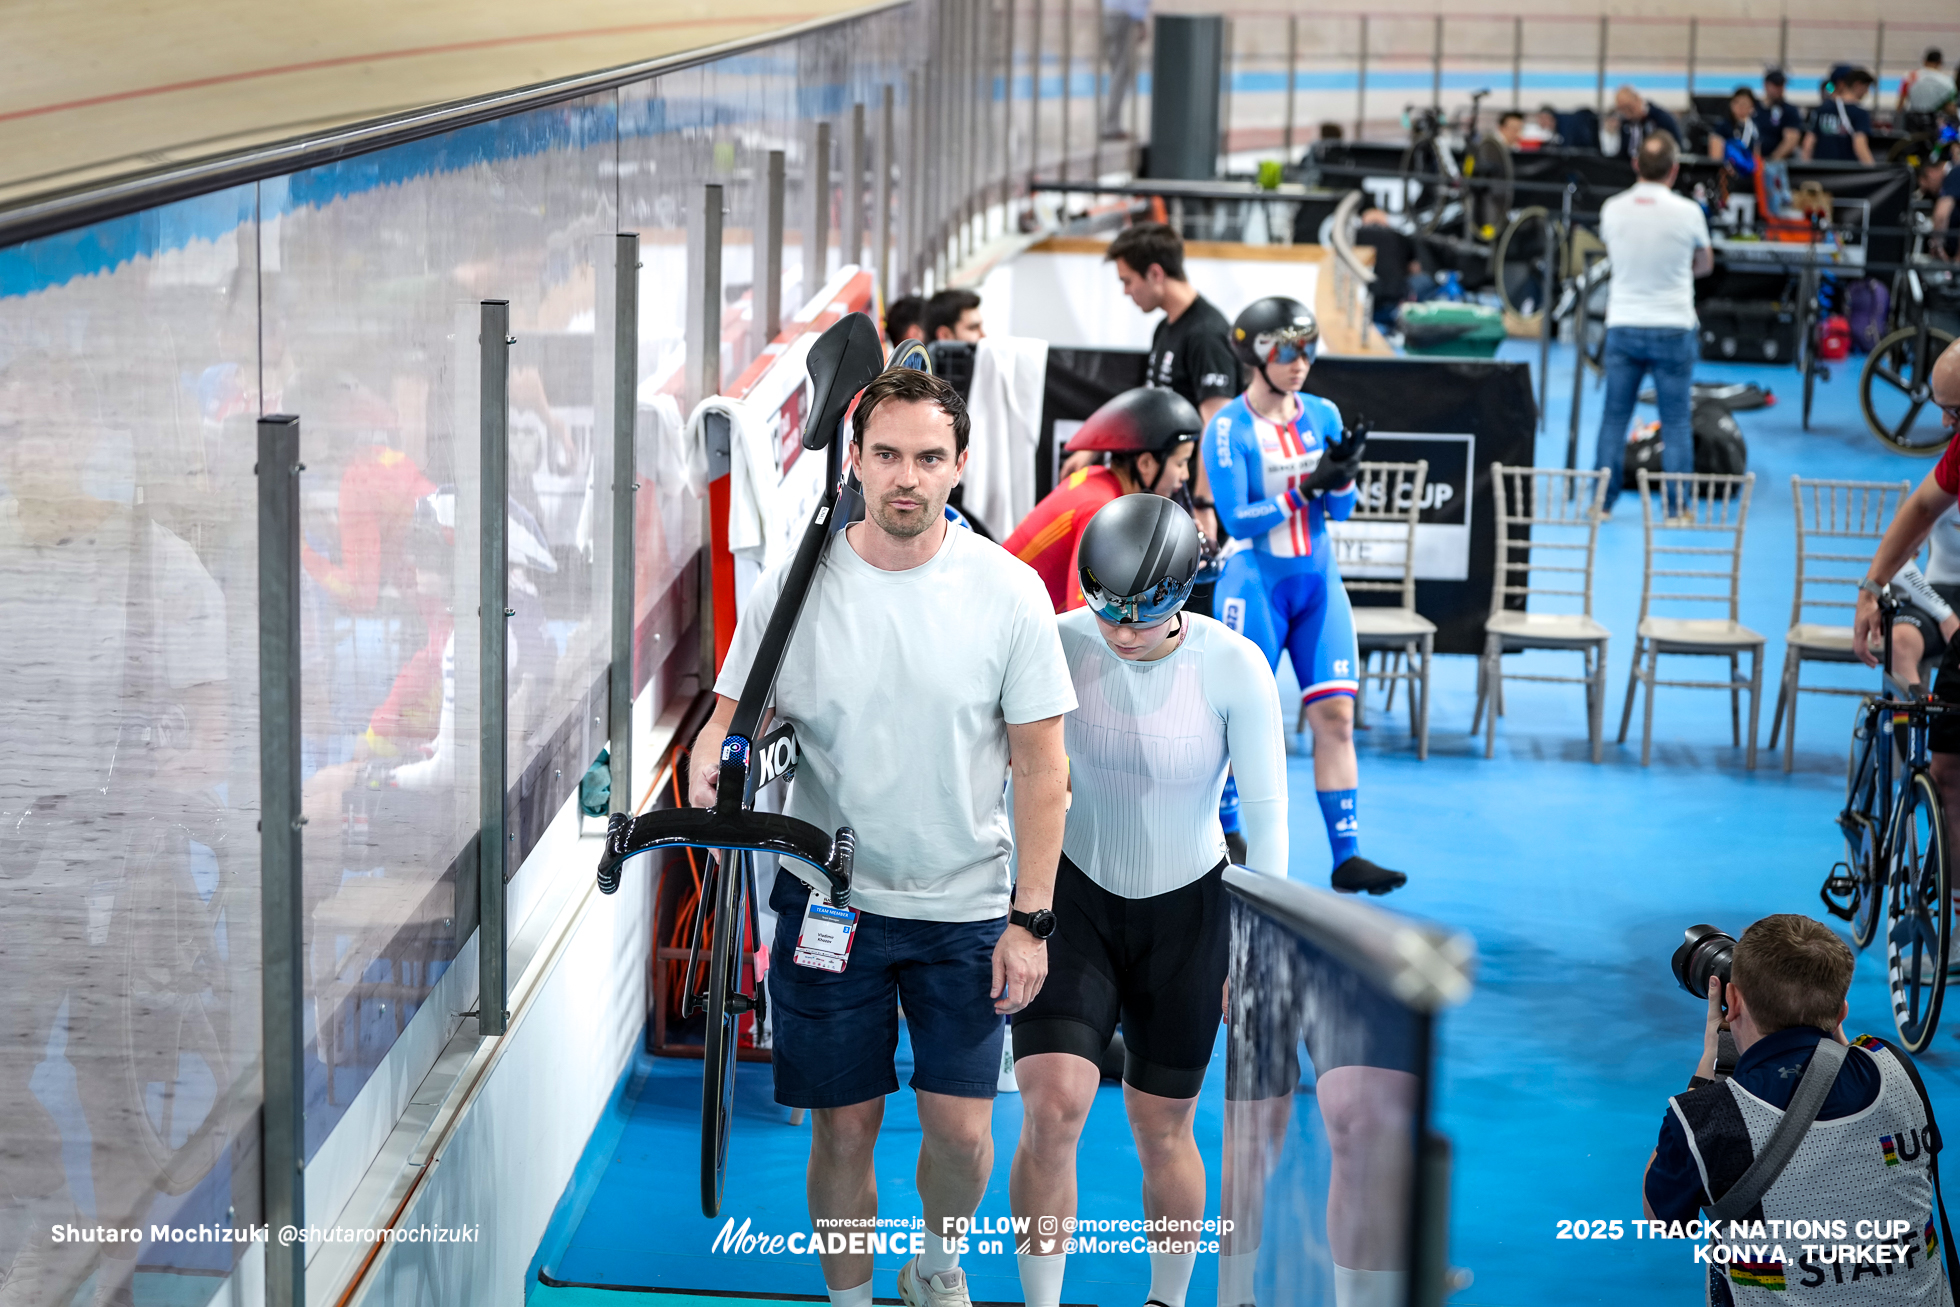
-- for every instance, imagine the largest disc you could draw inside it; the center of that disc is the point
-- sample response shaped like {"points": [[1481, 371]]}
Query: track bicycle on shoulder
{"points": [[841, 363], [1897, 870]]}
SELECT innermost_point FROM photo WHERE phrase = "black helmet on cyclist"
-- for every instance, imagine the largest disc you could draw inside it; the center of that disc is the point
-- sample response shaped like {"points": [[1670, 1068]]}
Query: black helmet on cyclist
{"points": [[1147, 420], [1138, 560], [1274, 329]]}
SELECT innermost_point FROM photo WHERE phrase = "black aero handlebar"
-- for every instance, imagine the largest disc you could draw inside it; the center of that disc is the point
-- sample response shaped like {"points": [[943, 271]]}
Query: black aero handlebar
{"points": [[710, 828], [841, 363]]}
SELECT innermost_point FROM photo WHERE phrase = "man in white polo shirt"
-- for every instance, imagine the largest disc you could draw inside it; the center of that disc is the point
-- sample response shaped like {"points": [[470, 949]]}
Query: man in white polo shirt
{"points": [[1658, 242], [925, 658]]}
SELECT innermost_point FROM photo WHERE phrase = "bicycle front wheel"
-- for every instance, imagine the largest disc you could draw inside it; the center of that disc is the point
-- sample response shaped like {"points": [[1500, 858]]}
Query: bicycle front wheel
{"points": [[1518, 263], [1919, 925], [1897, 386], [724, 1018], [1860, 824]]}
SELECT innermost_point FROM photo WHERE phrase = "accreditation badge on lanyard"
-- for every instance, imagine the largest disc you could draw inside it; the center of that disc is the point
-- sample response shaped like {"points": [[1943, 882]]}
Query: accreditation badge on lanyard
{"points": [[826, 937]]}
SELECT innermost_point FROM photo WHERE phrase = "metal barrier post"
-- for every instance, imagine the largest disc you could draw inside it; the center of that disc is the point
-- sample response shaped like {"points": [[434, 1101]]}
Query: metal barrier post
{"points": [[493, 843], [1292, 75], [282, 951], [1878, 64], [1517, 63], [1436, 66], [1547, 297], [1225, 62], [914, 193], [1694, 40], [977, 119], [1007, 123], [1068, 92], [1599, 91], [1578, 367], [1034, 105], [816, 255], [1361, 81], [772, 265], [625, 474], [852, 197], [1098, 38], [711, 219], [886, 144]]}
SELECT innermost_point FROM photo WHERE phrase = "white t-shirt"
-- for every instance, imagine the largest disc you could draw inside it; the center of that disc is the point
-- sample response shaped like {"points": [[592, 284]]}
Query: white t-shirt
{"points": [[1943, 564], [1148, 745], [901, 686], [1651, 235]]}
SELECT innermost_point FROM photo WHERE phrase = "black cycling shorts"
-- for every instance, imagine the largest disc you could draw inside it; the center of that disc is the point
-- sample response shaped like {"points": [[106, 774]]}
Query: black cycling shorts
{"points": [[1943, 730], [1156, 966], [1911, 614]]}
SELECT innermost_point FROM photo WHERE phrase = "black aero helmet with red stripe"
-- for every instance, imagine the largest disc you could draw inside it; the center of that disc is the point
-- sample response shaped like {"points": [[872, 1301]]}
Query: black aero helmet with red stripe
{"points": [[1138, 559], [1147, 420], [1267, 329]]}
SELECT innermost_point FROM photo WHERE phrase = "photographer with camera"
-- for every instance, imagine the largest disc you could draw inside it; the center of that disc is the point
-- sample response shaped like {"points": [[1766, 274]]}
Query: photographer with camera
{"points": [[1803, 1128]]}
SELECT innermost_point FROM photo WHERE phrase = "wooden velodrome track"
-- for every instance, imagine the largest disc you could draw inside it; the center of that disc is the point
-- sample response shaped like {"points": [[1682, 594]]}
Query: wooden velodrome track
{"points": [[104, 88]]}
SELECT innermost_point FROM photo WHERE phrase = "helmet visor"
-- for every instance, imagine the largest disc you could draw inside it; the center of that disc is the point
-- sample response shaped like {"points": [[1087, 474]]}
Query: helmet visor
{"points": [[1159, 603], [1289, 346]]}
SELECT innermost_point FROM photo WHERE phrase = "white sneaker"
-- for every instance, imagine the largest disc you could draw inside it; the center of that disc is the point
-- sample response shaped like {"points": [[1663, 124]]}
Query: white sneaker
{"points": [[946, 1289]]}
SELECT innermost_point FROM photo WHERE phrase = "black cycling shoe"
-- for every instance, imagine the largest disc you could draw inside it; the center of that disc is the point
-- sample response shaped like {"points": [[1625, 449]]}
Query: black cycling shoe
{"points": [[1358, 874]]}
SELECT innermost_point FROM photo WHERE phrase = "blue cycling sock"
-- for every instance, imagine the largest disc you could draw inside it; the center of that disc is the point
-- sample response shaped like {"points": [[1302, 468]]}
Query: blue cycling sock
{"points": [[1337, 809], [1228, 806]]}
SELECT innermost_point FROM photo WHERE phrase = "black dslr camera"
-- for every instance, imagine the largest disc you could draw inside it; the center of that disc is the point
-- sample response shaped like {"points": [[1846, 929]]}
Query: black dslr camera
{"points": [[1706, 951]]}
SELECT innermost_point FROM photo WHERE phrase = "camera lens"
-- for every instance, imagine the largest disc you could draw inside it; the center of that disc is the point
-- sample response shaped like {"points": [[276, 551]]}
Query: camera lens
{"points": [[1705, 951]]}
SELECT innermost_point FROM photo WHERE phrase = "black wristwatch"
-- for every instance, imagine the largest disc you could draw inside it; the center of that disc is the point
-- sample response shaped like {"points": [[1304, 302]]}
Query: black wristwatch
{"points": [[1039, 924]]}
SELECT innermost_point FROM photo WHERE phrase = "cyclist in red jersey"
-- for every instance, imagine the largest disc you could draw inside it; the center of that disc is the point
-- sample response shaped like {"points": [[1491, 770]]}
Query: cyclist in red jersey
{"points": [[1149, 434]]}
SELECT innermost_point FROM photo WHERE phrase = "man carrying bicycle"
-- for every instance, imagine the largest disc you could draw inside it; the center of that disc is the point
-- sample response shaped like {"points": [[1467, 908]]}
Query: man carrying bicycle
{"points": [[1911, 526], [925, 660]]}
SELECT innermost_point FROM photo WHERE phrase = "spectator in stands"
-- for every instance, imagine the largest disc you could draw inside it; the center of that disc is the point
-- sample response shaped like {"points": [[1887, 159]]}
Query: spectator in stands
{"points": [[1931, 175], [1640, 118], [1545, 127], [1510, 126], [1395, 265], [1928, 88], [1944, 244], [1739, 138], [953, 315], [1839, 127], [1779, 121], [1659, 244], [905, 319]]}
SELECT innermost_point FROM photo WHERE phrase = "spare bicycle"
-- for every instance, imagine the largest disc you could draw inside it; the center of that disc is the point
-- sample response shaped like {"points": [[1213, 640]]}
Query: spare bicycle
{"points": [[1896, 847]]}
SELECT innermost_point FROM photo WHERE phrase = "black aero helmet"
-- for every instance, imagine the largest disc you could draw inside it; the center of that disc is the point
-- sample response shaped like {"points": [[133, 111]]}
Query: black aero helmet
{"points": [[1268, 329], [1138, 560], [1148, 419]]}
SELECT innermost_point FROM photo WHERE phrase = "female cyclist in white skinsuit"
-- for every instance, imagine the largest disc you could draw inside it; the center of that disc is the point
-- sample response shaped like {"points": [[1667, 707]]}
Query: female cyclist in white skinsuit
{"points": [[1166, 701]]}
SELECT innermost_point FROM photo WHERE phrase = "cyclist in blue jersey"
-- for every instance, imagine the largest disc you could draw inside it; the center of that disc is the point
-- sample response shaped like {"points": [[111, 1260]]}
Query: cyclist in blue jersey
{"points": [[1280, 465]]}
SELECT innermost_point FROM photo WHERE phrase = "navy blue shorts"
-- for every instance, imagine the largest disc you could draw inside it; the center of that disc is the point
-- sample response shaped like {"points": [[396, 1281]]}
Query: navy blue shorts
{"points": [[836, 1036]]}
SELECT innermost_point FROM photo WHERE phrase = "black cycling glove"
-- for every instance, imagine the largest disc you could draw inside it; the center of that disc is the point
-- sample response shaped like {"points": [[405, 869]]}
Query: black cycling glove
{"points": [[1341, 460]]}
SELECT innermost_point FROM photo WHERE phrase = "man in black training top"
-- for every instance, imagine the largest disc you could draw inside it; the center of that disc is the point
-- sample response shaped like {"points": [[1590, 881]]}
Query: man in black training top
{"points": [[1191, 350]]}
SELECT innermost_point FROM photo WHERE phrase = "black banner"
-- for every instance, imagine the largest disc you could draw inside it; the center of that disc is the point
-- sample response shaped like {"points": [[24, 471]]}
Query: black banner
{"points": [[1460, 414]]}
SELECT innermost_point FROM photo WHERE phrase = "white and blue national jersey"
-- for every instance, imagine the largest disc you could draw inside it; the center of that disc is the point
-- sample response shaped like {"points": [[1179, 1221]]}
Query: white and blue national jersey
{"points": [[1253, 463]]}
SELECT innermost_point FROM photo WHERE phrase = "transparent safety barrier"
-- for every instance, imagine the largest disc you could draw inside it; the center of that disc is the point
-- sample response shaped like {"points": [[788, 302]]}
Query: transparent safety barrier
{"points": [[1335, 1187]]}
